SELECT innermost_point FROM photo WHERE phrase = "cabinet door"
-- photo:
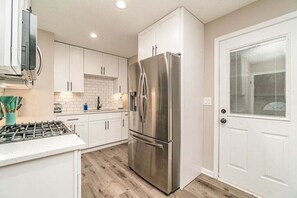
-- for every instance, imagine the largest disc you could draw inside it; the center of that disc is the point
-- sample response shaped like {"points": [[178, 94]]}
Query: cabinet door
{"points": [[61, 67], [111, 65], [120, 84], [168, 32], [114, 130], [146, 43], [92, 62], [97, 133], [125, 126], [82, 129], [76, 69]]}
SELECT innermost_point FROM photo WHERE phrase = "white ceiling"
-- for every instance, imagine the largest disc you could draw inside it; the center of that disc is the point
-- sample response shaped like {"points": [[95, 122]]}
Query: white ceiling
{"points": [[73, 20]]}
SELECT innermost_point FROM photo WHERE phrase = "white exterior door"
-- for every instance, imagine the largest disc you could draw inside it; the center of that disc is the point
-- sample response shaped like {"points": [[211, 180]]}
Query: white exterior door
{"points": [[258, 110]]}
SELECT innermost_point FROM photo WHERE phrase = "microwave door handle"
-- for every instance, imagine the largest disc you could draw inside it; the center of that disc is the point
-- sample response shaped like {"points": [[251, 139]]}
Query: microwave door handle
{"points": [[40, 61], [147, 142]]}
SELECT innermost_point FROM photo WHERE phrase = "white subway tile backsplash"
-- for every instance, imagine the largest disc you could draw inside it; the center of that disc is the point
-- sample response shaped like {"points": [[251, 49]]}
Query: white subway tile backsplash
{"points": [[94, 87]]}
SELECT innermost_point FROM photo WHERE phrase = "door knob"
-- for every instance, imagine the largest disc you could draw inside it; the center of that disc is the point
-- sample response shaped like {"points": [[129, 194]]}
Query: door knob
{"points": [[223, 120], [223, 111]]}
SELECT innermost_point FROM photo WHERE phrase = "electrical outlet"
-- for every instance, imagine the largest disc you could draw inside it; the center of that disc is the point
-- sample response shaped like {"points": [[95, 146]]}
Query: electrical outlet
{"points": [[207, 101]]}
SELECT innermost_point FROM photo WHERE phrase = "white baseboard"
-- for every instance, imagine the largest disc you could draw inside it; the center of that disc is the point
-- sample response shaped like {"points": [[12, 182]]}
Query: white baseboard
{"points": [[208, 172], [103, 146]]}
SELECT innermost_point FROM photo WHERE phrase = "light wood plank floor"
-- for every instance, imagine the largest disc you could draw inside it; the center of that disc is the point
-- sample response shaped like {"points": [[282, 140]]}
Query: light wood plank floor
{"points": [[105, 173]]}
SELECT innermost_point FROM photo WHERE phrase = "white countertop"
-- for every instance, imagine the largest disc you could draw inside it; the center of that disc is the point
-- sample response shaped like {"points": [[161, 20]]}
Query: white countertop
{"points": [[90, 112], [12, 153]]}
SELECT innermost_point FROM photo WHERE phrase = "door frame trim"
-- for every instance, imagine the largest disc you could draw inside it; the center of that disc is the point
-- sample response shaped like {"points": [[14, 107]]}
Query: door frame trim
{"points": [[274, 21]]}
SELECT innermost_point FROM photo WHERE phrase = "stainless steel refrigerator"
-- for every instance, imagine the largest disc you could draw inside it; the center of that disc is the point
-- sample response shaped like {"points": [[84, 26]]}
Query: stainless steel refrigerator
{"points": [[154, 120]]}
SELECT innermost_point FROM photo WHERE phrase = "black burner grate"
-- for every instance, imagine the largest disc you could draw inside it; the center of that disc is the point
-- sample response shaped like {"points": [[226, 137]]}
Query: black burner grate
{"points": [[30, 131]]}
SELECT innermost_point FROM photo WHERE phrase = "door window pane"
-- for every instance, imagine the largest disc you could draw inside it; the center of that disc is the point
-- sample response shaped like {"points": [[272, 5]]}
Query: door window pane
{"points": [[258, 79]]}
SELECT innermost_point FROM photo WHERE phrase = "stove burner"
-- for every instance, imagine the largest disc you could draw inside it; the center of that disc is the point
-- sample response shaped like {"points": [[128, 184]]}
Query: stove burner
{"points": [[30, 131]]}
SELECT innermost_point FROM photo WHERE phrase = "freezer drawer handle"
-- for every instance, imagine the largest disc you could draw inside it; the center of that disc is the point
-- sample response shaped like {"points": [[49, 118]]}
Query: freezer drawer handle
{"points": [[148, 143]]}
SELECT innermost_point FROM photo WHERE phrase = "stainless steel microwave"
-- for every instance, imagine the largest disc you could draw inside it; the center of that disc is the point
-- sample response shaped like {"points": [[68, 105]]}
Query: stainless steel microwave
{"points": [[30, 50], [20, 57]]}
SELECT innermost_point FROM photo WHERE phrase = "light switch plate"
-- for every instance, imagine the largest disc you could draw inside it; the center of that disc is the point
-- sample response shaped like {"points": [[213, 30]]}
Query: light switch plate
{"points": [[207, 101]]}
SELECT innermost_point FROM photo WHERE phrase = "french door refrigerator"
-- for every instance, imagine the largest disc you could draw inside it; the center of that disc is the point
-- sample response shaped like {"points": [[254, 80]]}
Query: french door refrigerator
{"points": [[154, 120]]}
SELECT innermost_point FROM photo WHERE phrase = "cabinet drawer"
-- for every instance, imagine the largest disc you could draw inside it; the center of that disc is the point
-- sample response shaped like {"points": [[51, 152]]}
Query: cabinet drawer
{"points": [[124, 114], [104, 116], [73, 118]]}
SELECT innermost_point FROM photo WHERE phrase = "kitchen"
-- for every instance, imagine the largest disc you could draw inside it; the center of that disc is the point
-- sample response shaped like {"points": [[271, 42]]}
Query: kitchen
{"points": [[94, 57]]}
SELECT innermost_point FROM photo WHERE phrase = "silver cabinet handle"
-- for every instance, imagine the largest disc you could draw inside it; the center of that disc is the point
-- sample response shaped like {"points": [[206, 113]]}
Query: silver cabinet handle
{"points": [[108, 124], [74, 128], [105, 125], [72, 119], [67, 86], [101, 69], [156, 49], [120, 89], [148, 143], [123, 123], [71, 85], [153, 48]]}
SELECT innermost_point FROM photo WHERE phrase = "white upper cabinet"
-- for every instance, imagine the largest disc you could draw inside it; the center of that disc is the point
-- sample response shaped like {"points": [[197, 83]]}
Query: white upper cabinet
{"points": [[163, 36], [92, 62], [110, 65], [61, 67], [146, 43], [120, 84], [168, 33], [68, 68], [76, 69]]}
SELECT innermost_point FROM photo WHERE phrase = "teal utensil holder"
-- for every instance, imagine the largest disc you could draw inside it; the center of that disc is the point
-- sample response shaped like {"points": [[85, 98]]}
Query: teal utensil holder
{"points": [[10, 118]]}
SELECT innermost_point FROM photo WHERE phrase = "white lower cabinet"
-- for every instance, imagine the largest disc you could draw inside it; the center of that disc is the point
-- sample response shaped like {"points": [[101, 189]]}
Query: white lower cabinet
{"points": [[79, 124], [114, 131], [97, 133], [98, 129], [82, 130], [125, 128]]}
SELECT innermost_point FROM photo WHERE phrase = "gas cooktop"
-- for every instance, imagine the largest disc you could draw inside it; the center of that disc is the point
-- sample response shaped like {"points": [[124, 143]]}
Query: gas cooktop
{"points": [[31, 131]]}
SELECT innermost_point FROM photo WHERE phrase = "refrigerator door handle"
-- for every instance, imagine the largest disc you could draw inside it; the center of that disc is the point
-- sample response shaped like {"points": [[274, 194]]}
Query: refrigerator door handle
{"points": [[139, 102], [145, 97], [147, 142], [141, 106]]}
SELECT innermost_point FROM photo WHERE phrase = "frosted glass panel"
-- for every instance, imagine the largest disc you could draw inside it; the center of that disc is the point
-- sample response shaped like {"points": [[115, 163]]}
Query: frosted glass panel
{"points": [[258, 79]]}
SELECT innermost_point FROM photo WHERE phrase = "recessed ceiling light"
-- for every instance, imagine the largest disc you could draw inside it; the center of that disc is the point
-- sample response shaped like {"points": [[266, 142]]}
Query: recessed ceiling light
{"points": [[93, 35], [121, 4]]}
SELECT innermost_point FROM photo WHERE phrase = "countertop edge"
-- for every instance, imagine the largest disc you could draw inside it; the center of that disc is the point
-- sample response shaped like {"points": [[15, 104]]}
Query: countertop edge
{"points": [[89, 112], [78, 145]]}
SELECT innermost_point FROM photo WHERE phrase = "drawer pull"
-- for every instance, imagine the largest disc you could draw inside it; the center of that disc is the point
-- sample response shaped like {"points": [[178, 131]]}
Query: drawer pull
{"points": [[73, 119]]}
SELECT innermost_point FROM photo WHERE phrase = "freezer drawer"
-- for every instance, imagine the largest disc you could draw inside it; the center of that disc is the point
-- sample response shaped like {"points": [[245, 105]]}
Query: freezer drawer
{"points": [[152, 160]]}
